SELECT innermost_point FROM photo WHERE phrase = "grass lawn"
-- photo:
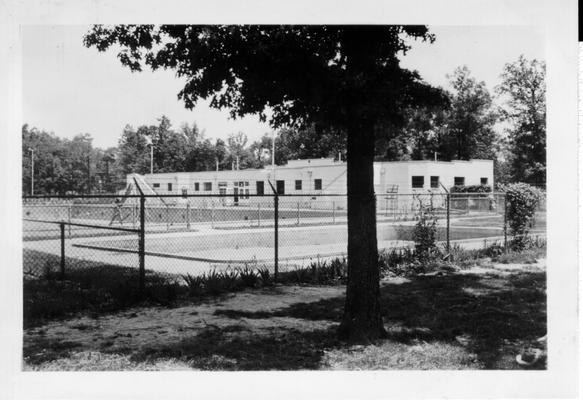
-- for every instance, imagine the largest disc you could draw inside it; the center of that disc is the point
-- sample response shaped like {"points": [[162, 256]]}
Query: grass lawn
{"points": [[479, 318]]}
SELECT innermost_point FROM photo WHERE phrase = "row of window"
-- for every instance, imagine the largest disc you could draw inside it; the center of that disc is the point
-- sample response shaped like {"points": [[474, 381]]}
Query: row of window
{"points": [[244, 185], [419, 181], [280, 186]]}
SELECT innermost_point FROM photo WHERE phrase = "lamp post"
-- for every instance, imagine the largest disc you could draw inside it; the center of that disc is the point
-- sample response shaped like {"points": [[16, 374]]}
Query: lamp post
{"points": [[273, 156], [31, 171], [151, 157], [88, 174]]}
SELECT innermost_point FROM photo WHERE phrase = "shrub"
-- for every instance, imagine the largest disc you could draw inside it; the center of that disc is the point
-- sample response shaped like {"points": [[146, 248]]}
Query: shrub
{"points": [[315, 267], [339, 268], [333, 272], [265, 276], [302, 275], [248, 276], [471, 189], [521, 203], [195, 284], [230, 279], [424, 235], [214, 282], [50, 269]]}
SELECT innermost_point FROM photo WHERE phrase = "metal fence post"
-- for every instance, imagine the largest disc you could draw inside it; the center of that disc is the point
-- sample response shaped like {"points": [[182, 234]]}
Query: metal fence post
{"points": [[142, 245], [212, 213], [62, 226], [167, 218], [395, 205], [258, 214], [69, 218], [188, 215], [298, 217], [276, 237], [447, 222]]}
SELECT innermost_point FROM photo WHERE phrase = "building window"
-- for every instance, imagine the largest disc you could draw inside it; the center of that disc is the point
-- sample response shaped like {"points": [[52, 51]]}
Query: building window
{"points": [[169, 187], [208, 186], [196, 186], [483, 181], [260, 188], [435, 182], [298, 184], [156, 185], [317, 184], [459, 181], [417, 181]]}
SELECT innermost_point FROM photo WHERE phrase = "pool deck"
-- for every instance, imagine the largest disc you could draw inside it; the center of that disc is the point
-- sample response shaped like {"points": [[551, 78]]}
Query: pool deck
{"points": [[200, 261]]}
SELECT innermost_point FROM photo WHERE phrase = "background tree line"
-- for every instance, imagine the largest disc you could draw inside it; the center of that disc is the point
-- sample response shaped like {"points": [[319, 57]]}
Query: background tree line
{"points": [[462, 128]]}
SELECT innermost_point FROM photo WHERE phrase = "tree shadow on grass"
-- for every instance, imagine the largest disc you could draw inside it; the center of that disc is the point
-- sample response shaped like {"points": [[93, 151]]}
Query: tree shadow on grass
{"points": [[491, 315], [329, 309], [485, 314], [236, 348], [88, 287]]}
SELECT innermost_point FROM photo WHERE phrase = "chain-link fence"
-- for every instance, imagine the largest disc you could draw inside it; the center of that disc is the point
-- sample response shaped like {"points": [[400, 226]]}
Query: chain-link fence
{"points": [[136, 239]]}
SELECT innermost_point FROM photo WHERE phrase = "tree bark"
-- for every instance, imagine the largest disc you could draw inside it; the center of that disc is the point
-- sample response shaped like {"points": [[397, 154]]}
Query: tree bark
{"points": [[362, 319]]}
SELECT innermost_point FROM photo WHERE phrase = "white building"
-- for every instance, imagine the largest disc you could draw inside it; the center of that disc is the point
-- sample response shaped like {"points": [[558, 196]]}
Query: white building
{"points": [[320, 177]]}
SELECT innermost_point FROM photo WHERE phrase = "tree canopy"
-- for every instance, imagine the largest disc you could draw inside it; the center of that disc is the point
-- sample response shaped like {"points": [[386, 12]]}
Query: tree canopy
{"points": [[470, 124], [523, 87], [300, 72], [342, 78]]}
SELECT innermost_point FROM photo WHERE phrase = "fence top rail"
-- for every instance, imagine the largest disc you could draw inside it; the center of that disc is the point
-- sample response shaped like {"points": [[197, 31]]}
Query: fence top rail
{"points": [[229, 195], [111, 228]]}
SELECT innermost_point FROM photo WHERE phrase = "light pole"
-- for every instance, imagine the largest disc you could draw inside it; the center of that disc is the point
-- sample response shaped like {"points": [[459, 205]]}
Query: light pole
{"points": [[31, 171], [88, 174], [151, 157], [273, 156]]}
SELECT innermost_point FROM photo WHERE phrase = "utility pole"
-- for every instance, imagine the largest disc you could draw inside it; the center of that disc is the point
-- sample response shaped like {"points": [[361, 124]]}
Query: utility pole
{"points": [[88, 174], [31, 171], [273, 157], [106, 173], [151, 158]]}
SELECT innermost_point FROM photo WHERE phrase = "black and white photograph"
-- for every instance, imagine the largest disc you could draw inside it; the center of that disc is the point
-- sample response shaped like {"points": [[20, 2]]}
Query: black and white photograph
{"points": [[267, 195]]}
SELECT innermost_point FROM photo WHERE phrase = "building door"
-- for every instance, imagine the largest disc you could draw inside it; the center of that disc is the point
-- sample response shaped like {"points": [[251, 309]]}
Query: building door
{"points": [[222, 191], [280, 187], [236, 196]]}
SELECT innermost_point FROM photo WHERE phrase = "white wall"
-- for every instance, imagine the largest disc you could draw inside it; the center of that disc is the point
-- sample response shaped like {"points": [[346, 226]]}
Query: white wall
{"points": [[332, 174]]}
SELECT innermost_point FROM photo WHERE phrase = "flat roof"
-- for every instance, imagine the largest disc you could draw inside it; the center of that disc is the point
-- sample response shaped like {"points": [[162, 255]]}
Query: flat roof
{"points": [[268, 169]]}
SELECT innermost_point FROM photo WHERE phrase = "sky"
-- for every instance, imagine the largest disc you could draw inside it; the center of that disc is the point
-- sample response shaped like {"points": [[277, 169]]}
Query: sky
{"points": [[70, 89]]}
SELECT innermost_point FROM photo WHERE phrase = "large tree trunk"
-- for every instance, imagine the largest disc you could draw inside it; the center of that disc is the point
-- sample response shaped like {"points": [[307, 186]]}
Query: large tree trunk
{"points": [[362, 319], [362, 313]]}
